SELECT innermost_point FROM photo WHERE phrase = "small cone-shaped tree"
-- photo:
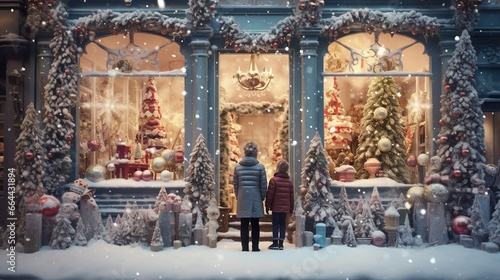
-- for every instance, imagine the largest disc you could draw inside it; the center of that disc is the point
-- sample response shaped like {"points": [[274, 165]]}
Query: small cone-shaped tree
{"points": [[477, 225], [161, 197], [494, 226], [383, 131], [62, 235], [363, 224], [344, 207], [157, 240], [150, 115], [317, 198], [349, 237], [200, 187], [378, 210], [461, 139], [80, 239]]}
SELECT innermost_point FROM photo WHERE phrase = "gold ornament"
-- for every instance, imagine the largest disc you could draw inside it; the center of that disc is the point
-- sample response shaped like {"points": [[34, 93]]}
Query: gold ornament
{"points": [[169, 157], [415, 195], [436, 193], [159, 164]]}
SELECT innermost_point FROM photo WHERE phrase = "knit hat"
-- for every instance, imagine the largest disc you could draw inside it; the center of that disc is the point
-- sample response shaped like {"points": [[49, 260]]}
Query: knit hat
{"points": [[78, 186], [282, 166], [251, 149]]}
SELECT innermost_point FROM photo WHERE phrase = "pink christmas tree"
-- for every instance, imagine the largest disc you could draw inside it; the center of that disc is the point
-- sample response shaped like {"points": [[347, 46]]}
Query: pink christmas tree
{"points": [[151, 130]]}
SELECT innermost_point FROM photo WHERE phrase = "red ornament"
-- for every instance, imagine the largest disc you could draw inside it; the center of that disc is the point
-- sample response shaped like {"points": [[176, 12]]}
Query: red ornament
{"points": [[93, 145], [147, 175], [448, 160], [411, 161], [302, 6], [465, 152], [50, 155], [67, 71], [457, 173], [447, 87], [137, 176], [462, 93], [49, 205], [179, 157], [457, 139], [455, 114], [275, 46], [137, 21], [460, 224], [212, 7], [443, 139], [28, 156], [236, 48], [441, 122]]}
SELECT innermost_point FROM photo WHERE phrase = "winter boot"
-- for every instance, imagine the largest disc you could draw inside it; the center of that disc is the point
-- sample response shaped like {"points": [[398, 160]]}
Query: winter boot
{"points": [[244, 247], [273, 246], [280, 245]]}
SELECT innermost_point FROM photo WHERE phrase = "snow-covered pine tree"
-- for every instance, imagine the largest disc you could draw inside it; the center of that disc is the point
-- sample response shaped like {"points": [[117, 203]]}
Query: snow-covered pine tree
{"points": [[139, 229], [157, 240], [477, 226], [350, 237], [461, 139], [107, 234], [30, 161], [382, 131], [60, 97], [378, 210], [405, 234], [359, 207], [62, 235], [200, 186], [80, 239], [494, 226], [344, 207], [363, 224], [317, 198], [161, 197]]}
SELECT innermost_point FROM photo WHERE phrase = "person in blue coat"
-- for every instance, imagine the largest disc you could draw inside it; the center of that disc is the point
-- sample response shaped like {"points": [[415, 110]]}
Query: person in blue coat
{"points": [[250, 188]]}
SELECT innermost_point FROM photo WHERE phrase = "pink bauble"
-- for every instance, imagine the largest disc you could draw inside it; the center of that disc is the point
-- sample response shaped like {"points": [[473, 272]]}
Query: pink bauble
{"points": [[147, 175], [137, 176], [460, 224], [49, 205], [378, 238], [93, 145], [411, 161]]}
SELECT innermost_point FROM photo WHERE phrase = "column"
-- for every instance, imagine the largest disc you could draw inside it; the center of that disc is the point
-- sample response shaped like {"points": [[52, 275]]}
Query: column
{"points": [[310, 93]]}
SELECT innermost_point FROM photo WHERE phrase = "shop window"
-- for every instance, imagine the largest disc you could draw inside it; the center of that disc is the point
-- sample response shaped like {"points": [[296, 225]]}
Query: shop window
{"points": [[253, 114], [352, 65], [131, 100]]}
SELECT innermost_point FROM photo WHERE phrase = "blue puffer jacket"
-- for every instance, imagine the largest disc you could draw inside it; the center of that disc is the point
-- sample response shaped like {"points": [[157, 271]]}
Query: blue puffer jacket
{"points": [[250, 188]]}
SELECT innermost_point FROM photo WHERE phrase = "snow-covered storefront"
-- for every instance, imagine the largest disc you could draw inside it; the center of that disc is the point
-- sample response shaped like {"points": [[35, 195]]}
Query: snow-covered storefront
{"points": [[125, 90]]}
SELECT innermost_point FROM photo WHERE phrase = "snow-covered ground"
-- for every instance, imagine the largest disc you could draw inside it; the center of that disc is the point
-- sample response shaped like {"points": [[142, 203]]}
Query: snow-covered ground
{"points": [[100, 260]]}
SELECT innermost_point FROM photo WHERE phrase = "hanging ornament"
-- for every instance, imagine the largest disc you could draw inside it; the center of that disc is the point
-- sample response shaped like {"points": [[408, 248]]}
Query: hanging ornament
{"points": [[96, 173], [447, 88], [384, 144], [423, 159], [465, 152], [179, 157], [411, 161], [93, 145], [169, 156], [448, 160], [28, 156], [49, 205], [443, 139], [303, 191], [415, 194], [380, 113], [50, 155], [460, 224], [457, 173], [236, 48], [275, 46], [441, 122], [462, 93]]}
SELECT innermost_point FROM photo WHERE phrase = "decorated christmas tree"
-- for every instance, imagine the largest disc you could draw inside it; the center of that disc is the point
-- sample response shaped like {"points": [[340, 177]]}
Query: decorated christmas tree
{"points": [[63, 234], [316, 196], [461, 139], [344, 207], [383, 132], [200, 187], [60, 95], [338, 127], [151, 131]]}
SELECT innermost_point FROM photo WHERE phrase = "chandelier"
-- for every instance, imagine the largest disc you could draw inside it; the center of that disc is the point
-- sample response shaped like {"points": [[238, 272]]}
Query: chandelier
{"points": [[253, 80]]}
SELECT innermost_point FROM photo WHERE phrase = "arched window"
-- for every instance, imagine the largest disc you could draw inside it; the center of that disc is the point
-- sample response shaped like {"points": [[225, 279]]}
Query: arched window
{"points": [[350, 66], [131, 99]]}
